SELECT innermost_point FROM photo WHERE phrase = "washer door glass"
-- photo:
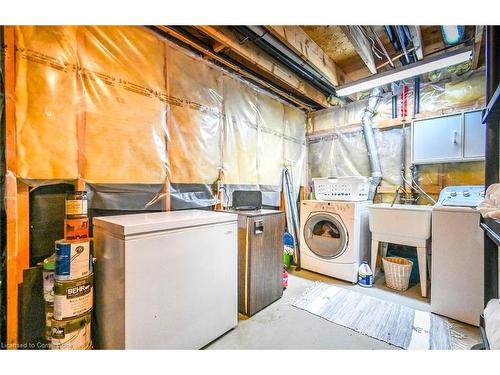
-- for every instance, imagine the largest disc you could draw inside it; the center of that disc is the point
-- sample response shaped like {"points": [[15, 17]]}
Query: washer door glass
{"points": [[325, 236]]}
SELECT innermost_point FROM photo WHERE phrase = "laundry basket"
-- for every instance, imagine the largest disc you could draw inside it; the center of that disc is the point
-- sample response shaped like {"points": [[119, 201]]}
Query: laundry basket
{"points": [[397, 272]]}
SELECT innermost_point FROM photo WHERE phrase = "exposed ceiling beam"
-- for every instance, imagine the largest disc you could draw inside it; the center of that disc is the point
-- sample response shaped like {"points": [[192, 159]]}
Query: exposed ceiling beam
{"points": [[207, 52], [362, 45], [301, 44], [260, 59], [218, 47], [418, 44], [478, 38]]}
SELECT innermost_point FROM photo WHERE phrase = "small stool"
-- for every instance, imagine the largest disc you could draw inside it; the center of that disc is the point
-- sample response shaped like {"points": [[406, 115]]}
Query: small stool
{"points": [[422, 250]]}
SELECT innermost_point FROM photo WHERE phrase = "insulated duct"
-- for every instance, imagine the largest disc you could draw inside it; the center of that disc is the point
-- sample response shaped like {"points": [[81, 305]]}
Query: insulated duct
{"points": [[370, 110]]}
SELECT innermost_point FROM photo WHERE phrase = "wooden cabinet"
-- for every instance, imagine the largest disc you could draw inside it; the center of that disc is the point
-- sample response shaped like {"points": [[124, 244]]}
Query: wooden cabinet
{"points": [[260, 252]]}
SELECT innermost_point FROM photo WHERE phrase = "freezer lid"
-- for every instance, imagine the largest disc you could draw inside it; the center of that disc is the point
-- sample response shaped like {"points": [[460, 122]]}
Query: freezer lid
{"points": [[124, 225]]}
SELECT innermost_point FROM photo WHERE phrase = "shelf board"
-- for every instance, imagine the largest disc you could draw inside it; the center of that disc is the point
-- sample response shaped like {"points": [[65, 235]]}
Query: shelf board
{"points": [[492, 110], [492, 229]]}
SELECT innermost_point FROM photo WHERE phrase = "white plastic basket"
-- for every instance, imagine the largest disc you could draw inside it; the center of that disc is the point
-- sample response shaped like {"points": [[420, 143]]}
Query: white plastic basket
{"points": [[397, 272]]}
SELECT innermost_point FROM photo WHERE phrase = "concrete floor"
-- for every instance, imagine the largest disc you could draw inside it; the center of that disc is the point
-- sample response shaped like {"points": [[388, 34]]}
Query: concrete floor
{"points": [[281, 326]]}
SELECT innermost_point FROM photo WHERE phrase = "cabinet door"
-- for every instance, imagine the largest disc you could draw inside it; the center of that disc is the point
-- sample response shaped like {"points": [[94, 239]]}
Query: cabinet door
{"points": [[474, 135], [437, 139], [265, 274]]}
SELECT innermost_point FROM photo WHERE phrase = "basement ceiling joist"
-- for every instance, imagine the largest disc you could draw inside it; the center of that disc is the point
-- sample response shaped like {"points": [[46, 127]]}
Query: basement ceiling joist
{"points": [[478, 39], [260, 59], [209, 53], [301, 44], [357, 37], [416, 36]]}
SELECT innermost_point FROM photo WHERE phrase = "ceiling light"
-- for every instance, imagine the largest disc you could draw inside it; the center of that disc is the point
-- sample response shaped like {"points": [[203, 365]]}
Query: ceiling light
{"points": [[407, 71]]}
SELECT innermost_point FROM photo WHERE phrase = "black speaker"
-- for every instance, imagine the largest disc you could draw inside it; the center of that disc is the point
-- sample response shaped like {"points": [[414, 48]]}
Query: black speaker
{"points": [[247, 200]]}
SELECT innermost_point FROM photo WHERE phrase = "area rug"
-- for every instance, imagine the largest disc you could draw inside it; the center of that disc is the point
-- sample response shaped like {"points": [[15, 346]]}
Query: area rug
{"points": [[393, 323]]}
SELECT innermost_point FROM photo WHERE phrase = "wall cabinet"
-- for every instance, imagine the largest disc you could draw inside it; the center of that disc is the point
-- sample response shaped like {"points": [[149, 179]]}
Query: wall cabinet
{"points": [[450, 138], [475, 135]]}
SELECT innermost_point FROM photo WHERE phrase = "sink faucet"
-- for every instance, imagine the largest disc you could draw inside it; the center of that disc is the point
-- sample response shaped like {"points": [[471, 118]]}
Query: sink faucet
{"points": [[396, 193]]}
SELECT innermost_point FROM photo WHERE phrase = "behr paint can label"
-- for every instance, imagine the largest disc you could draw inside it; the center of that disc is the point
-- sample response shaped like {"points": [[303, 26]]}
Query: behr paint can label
{"points": [[72, 334], [72, 298], [49, 314], [73, 260]]}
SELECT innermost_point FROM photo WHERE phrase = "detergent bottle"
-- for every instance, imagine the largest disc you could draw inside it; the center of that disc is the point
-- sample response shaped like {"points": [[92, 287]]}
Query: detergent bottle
{"points": [[365, 275]]}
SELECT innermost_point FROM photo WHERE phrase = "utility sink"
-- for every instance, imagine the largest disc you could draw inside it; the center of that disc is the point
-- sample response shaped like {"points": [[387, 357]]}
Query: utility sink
{"points": [[401, 220], [404, 225]]}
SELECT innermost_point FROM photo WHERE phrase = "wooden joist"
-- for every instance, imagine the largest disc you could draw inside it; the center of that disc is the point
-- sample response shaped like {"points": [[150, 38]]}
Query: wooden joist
{"points": [[391, 189], [300, 43], [416, 37], [218, 47], [362, 45], [261, 60], [478, 38], [212, 55], [16, 198]]}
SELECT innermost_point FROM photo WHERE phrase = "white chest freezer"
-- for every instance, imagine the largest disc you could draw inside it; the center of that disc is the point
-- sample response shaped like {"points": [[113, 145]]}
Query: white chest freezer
{"points": [[165, 280]]}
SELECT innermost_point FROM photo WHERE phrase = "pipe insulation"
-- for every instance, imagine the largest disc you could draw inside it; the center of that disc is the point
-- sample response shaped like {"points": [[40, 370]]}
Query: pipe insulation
{"points": [[367, 121]]}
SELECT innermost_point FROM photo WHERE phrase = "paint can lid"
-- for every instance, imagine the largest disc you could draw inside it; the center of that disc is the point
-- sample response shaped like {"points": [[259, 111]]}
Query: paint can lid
{"points": [[49, 264]]}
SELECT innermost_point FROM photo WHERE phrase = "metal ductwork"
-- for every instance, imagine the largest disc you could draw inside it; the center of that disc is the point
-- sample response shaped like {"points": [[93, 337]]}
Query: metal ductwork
{"points": [[276, 49], [367, 120]]}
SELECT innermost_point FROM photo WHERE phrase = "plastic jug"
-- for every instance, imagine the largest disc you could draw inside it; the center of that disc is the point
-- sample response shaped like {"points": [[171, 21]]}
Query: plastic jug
{"points": [[365, 275]]}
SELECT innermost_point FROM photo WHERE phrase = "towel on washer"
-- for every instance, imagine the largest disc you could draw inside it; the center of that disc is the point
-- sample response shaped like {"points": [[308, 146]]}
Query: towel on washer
{"points": [[490, 207], [492, 323]]}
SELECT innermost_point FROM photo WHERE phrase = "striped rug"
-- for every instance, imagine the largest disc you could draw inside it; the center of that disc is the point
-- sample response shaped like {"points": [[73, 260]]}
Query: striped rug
{"points": [[390, 322]]}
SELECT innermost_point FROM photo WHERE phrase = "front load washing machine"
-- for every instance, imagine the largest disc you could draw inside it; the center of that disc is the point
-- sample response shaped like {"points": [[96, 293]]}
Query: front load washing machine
{"points": [[334, 237]]}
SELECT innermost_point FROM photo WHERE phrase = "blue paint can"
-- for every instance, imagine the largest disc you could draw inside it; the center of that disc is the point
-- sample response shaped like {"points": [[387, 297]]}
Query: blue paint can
{"points": [[73, 260]]}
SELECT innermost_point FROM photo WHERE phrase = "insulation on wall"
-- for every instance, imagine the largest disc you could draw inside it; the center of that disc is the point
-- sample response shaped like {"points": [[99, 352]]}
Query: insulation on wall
{"points": [[344, 154], [435, 98], [271, 125], [195, 119], [125, 108], [46, 98], [120, 107], [240, 136], [295, 145], [337, 146]]}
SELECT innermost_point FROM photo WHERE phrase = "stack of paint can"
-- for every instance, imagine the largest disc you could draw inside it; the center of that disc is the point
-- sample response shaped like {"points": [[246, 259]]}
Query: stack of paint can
{"points": [[73, 279], [48, 293]]}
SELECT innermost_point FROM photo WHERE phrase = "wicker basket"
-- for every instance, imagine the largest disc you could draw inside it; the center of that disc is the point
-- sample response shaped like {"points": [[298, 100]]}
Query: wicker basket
{"points": [[397, 272]]}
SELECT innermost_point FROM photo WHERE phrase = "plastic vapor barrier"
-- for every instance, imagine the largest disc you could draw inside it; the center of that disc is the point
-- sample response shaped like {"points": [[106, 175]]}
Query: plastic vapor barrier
{"points": [[447, 96], [336, 145], [128, 112], [345, 154]]}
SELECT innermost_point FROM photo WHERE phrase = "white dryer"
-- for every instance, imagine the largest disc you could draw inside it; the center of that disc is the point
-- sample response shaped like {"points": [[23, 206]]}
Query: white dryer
{"points": [[334, 237]]}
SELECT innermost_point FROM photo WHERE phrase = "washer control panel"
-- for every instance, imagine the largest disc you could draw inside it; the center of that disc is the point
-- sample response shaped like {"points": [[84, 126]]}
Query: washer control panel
{"points": [[462, 196], [342, 189]]}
